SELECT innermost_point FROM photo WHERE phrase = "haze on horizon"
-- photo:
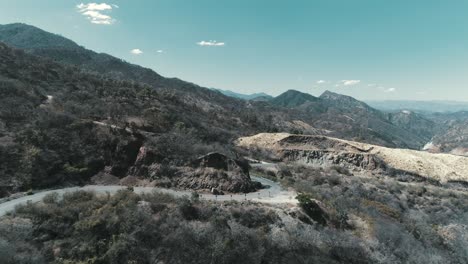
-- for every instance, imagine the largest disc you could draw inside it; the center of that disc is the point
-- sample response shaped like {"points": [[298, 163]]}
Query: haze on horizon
{"points": [[372, 50]]}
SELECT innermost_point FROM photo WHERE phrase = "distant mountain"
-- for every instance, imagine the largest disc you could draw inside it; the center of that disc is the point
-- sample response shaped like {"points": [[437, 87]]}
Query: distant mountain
{"points": [[452, 135], [420, 106], [343, 101], [416, 123], [454, 139], [254, 96], [293, 98], [346, 117]]}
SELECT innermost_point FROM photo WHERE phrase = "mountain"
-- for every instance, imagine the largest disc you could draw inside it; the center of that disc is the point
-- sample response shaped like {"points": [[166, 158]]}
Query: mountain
{"points": [[293, 98], [452, 135], [420, 106], [345, 117], [452, 140], [24, 36], [39, 42], [344, 101], [415, 123], [180, 107], [254, 96]]}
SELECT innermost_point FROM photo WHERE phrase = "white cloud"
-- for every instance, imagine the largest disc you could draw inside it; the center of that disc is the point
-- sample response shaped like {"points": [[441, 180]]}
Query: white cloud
{"points": [[211, 43], [321, 82], [136, 51], [94, 6], [350, 82], [160, 51], [94, 12]]}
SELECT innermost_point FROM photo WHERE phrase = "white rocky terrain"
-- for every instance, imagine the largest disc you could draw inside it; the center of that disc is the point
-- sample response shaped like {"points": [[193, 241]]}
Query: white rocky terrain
{"points": [[322, 150]]}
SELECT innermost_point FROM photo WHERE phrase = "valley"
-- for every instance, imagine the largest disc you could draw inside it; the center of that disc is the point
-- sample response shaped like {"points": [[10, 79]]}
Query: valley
{"points": [[104, 161]]}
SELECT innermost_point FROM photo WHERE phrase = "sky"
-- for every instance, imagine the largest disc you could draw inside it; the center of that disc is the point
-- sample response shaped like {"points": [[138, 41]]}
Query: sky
{"points": [[369, 49]]}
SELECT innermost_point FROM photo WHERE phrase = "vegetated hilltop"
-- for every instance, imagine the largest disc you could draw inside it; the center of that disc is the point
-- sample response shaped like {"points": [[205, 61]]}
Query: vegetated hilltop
{"points": [[293, 98], [321, 150]]}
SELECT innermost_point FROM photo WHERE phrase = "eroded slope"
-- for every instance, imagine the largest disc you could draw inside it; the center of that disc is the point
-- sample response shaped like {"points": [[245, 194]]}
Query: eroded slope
{"points": [[321, 150]]}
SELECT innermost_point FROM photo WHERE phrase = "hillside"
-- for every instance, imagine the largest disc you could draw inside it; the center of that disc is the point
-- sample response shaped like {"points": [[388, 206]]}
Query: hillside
{"points": [[61, 125], [452, 140], [290, 112], [24, 36], [346, 117], [416, 123]]}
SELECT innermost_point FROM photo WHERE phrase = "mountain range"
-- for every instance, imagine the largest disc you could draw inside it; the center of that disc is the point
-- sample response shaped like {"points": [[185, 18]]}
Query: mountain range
{"points": [[69, 53], [420, 106], [254, 96], [68, 114]]}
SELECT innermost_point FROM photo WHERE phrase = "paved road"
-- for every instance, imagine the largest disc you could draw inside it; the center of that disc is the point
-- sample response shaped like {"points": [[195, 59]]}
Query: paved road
{"points": [[273, 193]]}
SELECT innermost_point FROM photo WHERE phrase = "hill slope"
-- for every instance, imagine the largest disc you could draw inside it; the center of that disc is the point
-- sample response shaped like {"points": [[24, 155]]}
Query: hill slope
{"points": [[346, 117], [62, 124], [293, 98]]}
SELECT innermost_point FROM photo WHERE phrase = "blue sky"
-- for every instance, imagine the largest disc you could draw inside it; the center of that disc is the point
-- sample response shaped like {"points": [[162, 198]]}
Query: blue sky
{"points": [[370, 49]]}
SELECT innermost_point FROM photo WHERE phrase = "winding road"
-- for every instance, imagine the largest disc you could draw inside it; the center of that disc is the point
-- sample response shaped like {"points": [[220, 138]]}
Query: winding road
{"points": [[272, 193]]}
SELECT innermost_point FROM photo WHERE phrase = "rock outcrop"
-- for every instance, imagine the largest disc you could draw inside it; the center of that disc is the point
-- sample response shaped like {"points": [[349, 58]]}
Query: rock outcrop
{"points": [[211, 171], [216, 170], [350, 160], [360, 157]]}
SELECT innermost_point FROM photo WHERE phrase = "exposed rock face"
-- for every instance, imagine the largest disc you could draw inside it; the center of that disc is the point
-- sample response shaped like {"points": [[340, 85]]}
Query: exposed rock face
{"points": [[221, 162], [125, 155], [326, 158], [211, 171], [215, 170], [322, 150]]}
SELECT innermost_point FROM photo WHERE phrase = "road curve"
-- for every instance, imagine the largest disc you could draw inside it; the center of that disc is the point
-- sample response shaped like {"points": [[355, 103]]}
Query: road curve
{"points": [[273, 193]]}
